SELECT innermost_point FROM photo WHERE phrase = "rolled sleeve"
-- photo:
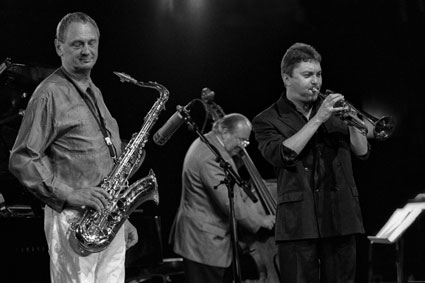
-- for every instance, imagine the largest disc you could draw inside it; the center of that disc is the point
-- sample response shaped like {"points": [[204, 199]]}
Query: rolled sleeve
{"points": [[366, 155], [270, 144], [289, 156]]}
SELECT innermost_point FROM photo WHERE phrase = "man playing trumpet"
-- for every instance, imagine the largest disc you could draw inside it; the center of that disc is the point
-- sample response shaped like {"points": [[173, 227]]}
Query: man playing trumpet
{"points": [[318, 213]]}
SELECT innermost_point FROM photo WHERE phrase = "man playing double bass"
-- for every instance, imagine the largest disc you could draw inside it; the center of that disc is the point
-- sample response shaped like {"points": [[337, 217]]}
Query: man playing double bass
{"points": [[202, 234]]}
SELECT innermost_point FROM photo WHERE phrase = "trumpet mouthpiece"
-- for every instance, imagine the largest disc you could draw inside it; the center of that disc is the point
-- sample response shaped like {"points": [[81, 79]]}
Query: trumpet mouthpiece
{"points": [[315, 90]]}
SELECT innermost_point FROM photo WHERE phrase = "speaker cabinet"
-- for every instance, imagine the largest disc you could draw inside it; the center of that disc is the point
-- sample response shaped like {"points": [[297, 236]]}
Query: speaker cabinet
{"points": [[24, 250]]}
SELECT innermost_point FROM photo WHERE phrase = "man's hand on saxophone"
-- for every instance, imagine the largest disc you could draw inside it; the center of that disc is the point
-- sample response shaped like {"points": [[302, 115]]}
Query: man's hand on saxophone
{"points": [[93, 197]]}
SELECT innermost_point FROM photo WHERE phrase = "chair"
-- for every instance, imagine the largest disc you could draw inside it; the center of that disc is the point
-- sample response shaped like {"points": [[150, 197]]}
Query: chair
{"points": [[145, 260]]}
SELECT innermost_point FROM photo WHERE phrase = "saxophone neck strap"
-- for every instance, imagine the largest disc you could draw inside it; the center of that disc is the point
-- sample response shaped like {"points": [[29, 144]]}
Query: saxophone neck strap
{"points": [[90, 100]]}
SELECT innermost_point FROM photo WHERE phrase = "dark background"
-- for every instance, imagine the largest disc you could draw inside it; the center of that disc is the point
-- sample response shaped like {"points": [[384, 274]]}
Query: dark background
{"points": [[373, 52]]}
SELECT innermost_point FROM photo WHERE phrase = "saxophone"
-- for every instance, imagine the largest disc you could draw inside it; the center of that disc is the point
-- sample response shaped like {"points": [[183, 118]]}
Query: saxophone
{"points": [[95, 230]]}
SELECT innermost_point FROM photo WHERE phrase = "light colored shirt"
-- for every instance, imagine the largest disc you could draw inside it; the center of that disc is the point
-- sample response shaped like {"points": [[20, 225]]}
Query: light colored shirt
{"points": [[59, 146]]}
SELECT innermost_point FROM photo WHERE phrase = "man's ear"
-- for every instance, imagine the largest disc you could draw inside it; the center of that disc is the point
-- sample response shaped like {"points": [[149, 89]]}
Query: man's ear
{"points": [[58, 47], [223, 133], [286, 79]]}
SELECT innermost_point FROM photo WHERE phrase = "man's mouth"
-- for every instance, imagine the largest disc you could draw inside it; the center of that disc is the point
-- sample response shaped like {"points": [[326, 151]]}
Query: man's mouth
{"points": [[314, 90], [85, 60]]}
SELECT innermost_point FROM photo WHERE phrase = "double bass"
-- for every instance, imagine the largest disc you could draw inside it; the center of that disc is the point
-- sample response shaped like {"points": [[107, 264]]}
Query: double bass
{"points": [[261, 247]]}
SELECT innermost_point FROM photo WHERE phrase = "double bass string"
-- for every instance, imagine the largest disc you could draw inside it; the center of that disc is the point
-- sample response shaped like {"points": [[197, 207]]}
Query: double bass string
{"points": [[266, 197]]}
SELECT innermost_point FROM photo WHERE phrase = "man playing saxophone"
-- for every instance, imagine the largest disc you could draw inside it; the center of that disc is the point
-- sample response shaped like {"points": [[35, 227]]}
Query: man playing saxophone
{"points": [[318, 213], [65, 147]]}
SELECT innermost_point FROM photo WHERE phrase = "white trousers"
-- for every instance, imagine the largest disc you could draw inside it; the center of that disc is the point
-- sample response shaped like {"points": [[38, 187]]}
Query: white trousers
{"points": [[66, 266]]}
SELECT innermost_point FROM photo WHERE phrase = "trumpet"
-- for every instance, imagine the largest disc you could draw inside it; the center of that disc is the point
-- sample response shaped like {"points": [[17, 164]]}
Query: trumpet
{"points": [[383, 127]]}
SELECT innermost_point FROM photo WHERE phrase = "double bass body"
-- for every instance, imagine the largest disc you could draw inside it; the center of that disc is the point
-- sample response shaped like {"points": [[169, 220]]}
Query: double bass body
{"points": [[261, 247]]}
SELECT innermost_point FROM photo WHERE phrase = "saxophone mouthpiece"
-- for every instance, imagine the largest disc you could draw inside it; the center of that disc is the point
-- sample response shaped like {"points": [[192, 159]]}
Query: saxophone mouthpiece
{"points": [[125, 78]]}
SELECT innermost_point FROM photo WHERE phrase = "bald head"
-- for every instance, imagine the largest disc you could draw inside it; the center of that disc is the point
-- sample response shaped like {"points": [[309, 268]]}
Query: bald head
{"points": [[232, 122], [234, 131]]}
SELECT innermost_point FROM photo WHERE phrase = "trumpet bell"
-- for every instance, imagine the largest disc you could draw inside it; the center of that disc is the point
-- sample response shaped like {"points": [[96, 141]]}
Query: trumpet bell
{"points": [[384, 128]]}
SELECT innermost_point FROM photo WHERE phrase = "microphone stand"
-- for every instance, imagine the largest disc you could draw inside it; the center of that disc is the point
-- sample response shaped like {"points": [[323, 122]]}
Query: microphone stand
{"points": [[231, 178]]}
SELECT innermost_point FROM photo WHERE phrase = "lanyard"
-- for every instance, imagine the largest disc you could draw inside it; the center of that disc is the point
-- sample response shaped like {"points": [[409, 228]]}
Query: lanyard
{"points": [[90, 101]]}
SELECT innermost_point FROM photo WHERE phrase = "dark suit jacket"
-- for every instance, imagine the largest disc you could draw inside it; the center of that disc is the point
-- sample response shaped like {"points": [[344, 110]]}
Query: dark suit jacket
{"points": [[317, 195]]}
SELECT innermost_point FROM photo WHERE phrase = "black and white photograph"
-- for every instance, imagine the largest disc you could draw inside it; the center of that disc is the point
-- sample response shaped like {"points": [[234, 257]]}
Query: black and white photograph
{"points": [[200, 141]]}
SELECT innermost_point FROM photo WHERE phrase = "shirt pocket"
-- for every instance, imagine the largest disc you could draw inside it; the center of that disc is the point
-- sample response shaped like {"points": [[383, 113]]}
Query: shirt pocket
{"points": [[290, 197]]}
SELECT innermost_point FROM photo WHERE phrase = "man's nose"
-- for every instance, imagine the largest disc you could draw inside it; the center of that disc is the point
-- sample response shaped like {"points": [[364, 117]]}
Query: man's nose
{"points": [[85, 49]]}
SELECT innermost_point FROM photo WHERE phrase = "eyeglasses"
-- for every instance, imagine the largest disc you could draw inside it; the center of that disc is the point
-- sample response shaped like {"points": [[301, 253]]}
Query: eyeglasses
{"points": [[242, 142]]}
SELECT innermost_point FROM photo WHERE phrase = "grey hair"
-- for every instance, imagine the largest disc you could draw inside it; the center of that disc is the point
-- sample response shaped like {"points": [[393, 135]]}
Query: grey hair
{"points": [[77, 17]]}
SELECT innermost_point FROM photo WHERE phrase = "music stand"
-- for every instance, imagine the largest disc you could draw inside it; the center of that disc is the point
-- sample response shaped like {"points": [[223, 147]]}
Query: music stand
{"points": [[392, 232]]}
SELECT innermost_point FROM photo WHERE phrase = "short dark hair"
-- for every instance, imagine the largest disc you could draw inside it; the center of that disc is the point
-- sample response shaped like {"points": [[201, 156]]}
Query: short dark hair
{"points": [[230, 122], [297, 53], [76, 17]]}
